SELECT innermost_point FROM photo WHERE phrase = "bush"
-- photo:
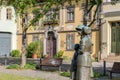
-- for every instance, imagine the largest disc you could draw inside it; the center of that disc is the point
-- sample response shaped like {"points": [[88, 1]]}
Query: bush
{"points": [[30, 66], [13, 66], [34, 47], [15, 53], [59, 54], [98, 75], [66, 74], [27, 66]]}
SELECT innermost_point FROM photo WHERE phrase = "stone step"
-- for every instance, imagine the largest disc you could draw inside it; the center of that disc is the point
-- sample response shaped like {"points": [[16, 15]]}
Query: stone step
{"points": [[112, 58]]}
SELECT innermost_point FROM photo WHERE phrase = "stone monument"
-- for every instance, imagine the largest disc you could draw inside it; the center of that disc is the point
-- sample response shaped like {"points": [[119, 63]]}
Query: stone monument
{"points": [[83, 61]]}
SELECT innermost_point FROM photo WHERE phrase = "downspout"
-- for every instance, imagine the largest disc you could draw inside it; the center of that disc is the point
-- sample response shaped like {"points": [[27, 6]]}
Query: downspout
{"points": [[100, 31]]}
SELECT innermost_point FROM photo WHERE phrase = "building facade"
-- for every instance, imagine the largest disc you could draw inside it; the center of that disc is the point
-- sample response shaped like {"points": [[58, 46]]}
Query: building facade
{"points": [[62, 35], [110, 30], [8, 29]]}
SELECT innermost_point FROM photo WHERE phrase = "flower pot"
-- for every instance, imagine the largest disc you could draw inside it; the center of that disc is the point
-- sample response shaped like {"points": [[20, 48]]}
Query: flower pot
{"points": [[34, 56]]}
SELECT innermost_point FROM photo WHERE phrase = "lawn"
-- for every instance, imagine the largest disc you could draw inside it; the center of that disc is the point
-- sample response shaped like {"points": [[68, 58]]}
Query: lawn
{"points": [[4, 76]]}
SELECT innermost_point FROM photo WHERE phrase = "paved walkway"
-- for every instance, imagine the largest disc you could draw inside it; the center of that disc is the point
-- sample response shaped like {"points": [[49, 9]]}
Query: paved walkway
{"points": [[97, 66]]}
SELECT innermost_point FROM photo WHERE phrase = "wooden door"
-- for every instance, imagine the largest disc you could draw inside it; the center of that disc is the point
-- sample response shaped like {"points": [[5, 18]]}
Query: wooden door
{"points": [[51, 44], [115, 44]]}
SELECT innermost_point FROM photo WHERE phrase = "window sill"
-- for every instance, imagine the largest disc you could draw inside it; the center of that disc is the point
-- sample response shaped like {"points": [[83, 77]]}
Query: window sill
{"points": [[69, 49], [70, 21]]}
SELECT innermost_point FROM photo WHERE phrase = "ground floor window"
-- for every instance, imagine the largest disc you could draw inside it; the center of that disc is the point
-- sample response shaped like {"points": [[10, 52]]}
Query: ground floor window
{"points": [[70, 41], [35, 38]]}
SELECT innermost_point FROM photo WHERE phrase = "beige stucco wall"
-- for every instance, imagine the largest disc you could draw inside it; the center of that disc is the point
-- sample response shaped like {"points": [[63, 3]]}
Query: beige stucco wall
{"points": [[67, 29], [110, 14]]}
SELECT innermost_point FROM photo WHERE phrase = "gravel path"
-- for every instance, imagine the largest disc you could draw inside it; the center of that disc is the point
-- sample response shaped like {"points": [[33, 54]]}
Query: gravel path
{"points": [[35, 74]]}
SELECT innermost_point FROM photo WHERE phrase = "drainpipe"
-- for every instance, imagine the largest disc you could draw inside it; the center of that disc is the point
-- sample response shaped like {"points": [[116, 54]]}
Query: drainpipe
{"points": [[62, 28], [99, 28]]}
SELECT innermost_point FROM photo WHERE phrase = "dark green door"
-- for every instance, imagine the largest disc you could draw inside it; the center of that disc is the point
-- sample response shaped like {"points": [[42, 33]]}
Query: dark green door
{"points": [[115, 44]]}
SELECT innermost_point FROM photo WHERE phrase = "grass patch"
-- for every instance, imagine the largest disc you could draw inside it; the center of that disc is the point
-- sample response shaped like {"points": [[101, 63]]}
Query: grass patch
{"points": [[96, 74], [17, 66], [4, 76], [66, 74]]}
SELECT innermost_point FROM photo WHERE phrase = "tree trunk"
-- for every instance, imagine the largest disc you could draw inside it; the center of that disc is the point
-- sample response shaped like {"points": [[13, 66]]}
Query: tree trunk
{"points": [[23, 58]]}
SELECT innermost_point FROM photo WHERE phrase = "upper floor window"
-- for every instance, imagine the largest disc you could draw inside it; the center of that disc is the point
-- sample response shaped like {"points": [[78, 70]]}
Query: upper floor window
{"points": [[9, 13], [70, 13], [89, 15], [52, 14], [37, 22]]}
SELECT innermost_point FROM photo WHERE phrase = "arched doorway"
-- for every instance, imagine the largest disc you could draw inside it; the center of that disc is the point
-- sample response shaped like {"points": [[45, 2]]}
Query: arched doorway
{"points": [[51, 44]]}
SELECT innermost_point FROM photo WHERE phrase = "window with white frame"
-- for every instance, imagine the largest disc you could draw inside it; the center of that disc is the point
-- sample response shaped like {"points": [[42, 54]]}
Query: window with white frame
{"points": [[70, 41], [89, 15], [52, 14], [9, 13], [35, 38], [37, 23], [70, 13]]}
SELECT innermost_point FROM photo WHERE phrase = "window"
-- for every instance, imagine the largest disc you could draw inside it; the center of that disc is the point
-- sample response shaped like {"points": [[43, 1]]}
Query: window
{"points": [[37, 22], [9, 13], [88, 15], [35, 38], [70, 13], [70, 41], [52, 14]]}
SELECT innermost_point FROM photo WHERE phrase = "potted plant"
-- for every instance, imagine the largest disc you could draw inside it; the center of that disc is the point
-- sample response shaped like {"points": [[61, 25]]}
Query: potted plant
{"points": [[34, 49]]}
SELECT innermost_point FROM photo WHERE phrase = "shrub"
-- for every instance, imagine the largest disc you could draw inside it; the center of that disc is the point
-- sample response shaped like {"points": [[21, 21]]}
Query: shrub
{"points": [[13, 66], [34, 47], [17, 66], [15, 53], [30, 66], [98, 75], [59, 54], [66, 74]]}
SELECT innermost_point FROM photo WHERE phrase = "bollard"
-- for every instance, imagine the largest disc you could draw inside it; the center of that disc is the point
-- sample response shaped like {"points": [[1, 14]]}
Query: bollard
{"points": [[104, 67], [5, 59]]}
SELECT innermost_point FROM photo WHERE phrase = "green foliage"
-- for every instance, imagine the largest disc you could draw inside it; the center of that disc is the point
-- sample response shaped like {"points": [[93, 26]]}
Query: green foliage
{"points": [[66, 74], [5, 76], [30, 66], [34, 47], [13, 66], [98, 75], [27, 66], [65, 57], [59, 54], [15, 53]]}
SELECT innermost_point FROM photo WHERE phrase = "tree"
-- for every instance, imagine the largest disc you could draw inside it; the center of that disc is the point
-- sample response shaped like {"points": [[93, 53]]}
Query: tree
{"points": [[22, 8]]}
